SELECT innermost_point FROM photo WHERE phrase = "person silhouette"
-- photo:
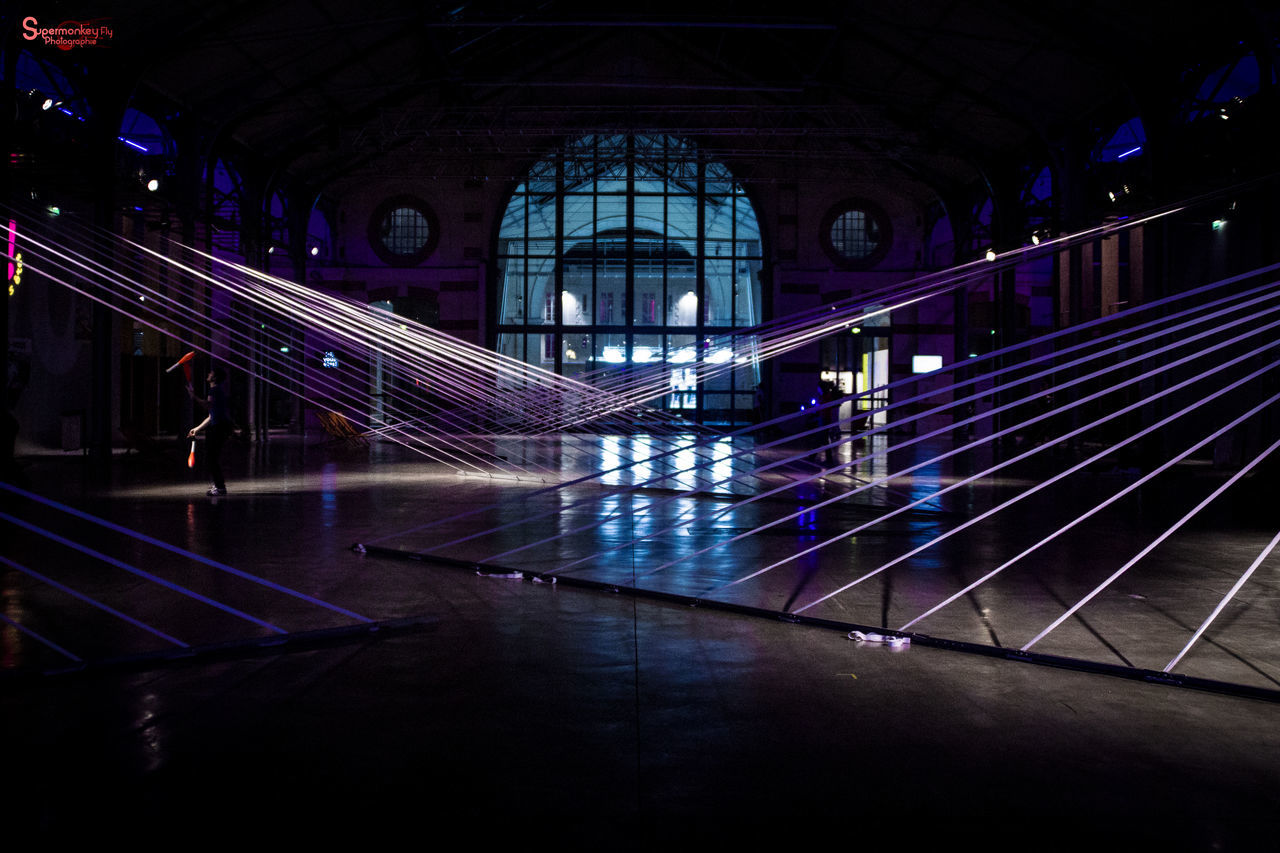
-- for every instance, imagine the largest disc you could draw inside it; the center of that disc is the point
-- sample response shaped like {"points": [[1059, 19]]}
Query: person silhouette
{"points": [[219, 424]]}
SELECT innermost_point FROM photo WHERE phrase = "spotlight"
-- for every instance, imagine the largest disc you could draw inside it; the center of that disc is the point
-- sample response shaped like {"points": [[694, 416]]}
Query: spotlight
{"points": [[1035, 238], [991, 254], [315, 250], [48, 104], [153, 185], [271, 250]]}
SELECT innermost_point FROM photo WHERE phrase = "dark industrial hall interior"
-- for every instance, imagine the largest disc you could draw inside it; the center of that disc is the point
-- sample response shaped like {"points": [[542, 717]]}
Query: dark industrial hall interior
{"points": [[627, 426]]}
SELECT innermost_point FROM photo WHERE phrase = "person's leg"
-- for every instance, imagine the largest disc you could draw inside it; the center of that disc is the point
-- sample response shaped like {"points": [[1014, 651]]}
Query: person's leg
{"points": [[213, 455]]}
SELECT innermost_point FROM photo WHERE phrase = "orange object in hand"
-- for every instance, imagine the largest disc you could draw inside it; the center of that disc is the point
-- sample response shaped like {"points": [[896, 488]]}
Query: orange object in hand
{"points": [[186, 358], [191, 457]]}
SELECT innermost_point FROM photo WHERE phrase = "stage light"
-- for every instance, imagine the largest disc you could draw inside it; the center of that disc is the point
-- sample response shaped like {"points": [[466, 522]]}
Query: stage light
{"points": [[315, 250], [991, 254], [153, 185]]}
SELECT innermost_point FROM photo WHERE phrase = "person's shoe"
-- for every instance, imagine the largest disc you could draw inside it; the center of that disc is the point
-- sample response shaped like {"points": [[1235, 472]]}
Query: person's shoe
{"points": [[215, 492]]}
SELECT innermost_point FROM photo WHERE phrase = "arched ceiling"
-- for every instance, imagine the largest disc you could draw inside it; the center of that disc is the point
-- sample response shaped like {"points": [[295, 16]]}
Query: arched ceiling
{"points": [[328, 90]]}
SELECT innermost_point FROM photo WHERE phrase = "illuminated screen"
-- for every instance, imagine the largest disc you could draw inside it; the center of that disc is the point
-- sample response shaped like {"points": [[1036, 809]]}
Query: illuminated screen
{"points": [[925, 363]]}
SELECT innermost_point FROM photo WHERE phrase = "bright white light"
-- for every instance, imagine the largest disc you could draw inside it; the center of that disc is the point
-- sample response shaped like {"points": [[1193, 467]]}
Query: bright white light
{"points": [[925, 363], [991, 254], [684, 355], [614, 355], [47, 105], [153, 185], [720, 356], [642, 355], [315, 250]]}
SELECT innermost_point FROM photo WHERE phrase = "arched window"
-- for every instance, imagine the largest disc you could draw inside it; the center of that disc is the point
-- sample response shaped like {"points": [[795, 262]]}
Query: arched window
{"points": [[1127, 141], [1038, 203], [49, 88], [1226, 87], [146, 157], [223, 186], [628, 250], [319, 238]]}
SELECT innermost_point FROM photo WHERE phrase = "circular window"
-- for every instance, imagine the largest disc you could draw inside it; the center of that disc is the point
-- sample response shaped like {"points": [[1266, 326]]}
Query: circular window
{"points": [[856, 234], [403, 231]]}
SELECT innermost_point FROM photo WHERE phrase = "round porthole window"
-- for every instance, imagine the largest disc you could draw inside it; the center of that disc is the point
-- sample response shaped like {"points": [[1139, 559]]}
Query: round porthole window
{"points": [[403, 231], [856, 234]]}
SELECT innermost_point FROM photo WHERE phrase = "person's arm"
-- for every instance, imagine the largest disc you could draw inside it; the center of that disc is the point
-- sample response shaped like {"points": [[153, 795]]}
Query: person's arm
{"points": [[195, 429]]}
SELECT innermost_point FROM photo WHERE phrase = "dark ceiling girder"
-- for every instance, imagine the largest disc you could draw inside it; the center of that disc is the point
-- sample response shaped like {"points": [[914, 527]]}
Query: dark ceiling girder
{"points": [[948, 81]]}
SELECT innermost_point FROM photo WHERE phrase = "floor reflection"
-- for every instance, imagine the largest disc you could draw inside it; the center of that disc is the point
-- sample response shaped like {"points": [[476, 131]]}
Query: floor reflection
{"points": [[715, 517]]}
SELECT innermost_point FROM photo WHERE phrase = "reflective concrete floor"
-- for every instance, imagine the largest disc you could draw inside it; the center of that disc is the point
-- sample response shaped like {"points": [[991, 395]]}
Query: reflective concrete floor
{"points": [[519, 711]]}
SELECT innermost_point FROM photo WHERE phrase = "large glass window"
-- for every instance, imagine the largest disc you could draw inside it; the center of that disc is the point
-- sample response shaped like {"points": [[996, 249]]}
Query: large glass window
{"points": [[626, 251]]}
